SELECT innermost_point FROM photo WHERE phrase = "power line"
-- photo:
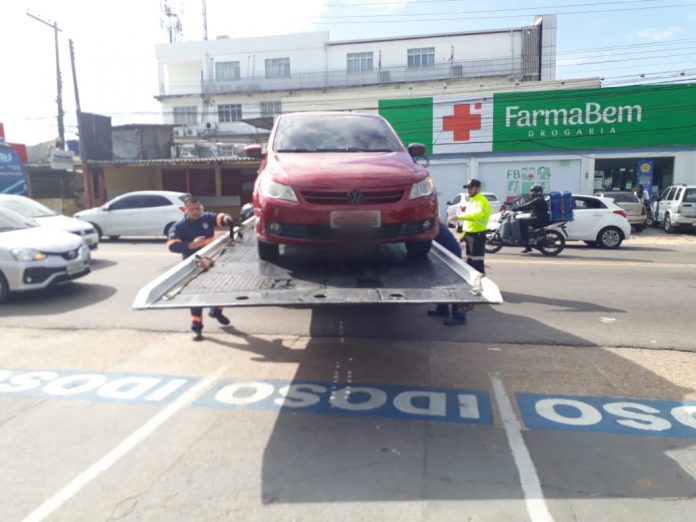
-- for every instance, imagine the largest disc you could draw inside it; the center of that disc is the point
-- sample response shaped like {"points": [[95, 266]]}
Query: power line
{"points": [[492, 17]]}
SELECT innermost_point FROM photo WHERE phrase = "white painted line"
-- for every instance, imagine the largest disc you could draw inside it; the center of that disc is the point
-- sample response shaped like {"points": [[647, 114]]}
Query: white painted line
{"points": [[135, 438], [533, 496]]}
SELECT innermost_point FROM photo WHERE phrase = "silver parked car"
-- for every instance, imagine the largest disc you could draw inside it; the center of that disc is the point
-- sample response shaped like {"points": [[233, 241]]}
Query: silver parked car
{"points": [[33, 257], [46, 217]]}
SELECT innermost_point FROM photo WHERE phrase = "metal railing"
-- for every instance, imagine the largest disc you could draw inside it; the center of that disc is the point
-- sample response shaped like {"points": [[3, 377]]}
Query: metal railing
{"points": [[465, 69]]}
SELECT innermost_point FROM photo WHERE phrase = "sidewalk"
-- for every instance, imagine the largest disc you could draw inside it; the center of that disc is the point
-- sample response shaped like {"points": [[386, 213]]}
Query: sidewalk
{"points": [[657, 235]]}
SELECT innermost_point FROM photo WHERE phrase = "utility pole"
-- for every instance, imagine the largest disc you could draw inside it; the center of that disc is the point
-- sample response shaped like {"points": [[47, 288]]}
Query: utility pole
{"points": [[59, 81], [86, 171]]}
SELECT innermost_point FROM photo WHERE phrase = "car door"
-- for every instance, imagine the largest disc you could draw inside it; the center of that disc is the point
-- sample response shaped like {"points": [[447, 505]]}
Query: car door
{"points": [[122, 216], [674, 204], [663, 203], [588, 218], [156, 213]]}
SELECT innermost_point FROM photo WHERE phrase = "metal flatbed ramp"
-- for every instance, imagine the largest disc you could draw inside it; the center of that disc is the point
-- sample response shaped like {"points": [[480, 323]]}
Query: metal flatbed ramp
{"points": [[305, 276]]}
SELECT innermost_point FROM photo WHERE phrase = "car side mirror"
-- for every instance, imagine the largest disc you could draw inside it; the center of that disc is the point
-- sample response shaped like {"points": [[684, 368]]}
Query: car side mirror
{"points": [[416, 149], [254, 150]]}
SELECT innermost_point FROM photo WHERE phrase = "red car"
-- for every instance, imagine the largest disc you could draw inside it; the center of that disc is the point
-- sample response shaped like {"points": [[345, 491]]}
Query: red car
{"points": [[331, 176]]}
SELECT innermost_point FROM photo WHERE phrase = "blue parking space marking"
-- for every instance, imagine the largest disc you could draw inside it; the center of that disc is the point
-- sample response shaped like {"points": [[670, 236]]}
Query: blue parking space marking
{"points": [[397, 402], [93, 386], [657, 418]]}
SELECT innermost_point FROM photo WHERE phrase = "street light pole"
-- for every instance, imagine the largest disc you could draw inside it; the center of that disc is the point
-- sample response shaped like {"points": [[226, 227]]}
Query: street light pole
{"points": [[86, 170], [59, 81]]}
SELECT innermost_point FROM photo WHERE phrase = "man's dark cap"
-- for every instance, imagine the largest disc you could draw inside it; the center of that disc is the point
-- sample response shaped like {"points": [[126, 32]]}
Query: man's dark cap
{"points": [[473, 183]]}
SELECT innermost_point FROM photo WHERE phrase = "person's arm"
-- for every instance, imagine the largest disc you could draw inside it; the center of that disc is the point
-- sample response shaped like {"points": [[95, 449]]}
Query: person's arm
{"points": [[175, 242], [478, 213], [222, 219]]}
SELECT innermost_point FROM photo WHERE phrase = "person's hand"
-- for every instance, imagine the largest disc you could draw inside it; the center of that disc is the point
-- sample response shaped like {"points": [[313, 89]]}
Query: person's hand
{"points": [[227, 219], [197, 243]]}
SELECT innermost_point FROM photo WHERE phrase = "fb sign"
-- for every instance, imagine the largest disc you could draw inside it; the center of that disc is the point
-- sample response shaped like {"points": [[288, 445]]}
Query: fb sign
{"points": [[608, 415]]}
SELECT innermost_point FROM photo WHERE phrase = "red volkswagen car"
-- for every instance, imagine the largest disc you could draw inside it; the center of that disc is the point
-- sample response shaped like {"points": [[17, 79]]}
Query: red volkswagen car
{"points": [[331, 176]]}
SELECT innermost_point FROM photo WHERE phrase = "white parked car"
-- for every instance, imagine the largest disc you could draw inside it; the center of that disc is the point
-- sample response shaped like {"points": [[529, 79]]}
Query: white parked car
{"points": [[675, 208], [33, 257], [596, 221], [144, 213], [457, 207], [46, 217]]}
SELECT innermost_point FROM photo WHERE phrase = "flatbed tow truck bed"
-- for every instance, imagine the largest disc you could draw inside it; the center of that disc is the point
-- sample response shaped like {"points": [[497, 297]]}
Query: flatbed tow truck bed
{"points": [[304, 276]]}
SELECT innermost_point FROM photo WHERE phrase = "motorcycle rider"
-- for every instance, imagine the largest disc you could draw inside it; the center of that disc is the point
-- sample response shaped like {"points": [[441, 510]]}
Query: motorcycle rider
{"points": [[539, 215]]}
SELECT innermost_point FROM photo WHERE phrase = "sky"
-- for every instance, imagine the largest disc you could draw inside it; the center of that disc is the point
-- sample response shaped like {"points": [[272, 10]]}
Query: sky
{"points": [[618, 40]]}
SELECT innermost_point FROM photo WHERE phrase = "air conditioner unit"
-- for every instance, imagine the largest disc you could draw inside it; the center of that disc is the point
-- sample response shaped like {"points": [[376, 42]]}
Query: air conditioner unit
{"points": [[179, 132], [384, 76], [191, 132], [457, 71]]}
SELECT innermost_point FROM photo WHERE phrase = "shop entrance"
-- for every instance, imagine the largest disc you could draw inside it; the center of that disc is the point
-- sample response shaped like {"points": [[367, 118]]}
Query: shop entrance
{"points": [[620, 173]]}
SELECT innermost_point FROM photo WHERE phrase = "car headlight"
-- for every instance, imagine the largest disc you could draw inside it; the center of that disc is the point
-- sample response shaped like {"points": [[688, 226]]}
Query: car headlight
{"points": [[275, 190], [422, 188], [27, 254]]}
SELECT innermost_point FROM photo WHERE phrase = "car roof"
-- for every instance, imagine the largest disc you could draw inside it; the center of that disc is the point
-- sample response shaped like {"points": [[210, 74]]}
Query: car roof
{"points": [[153, 193]]}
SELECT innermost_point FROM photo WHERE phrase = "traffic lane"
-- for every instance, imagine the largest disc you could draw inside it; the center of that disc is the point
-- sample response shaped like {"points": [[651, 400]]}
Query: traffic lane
{"points": [[587, 372]]}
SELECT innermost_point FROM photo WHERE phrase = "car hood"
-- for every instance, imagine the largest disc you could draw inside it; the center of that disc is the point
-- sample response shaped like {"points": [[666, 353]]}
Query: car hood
{"points": [[64, 223], [345, 169], [40, 238]]}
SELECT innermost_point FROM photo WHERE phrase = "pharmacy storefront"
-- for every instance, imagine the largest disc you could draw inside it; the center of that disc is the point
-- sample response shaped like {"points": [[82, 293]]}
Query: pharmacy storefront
{"points": [[583, 140]]}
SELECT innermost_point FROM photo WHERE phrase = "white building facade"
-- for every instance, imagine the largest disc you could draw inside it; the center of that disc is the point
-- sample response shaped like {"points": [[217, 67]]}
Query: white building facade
{"points": [[230, 89]]}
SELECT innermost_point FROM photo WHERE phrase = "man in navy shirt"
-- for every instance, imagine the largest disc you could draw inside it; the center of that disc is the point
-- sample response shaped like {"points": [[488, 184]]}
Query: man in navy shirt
{"points": [[194, 231], [447, 240]]}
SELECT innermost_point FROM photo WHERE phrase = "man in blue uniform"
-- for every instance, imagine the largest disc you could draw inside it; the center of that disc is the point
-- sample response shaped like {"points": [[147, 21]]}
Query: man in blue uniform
{"points": [[447, 240], [194, 231]]}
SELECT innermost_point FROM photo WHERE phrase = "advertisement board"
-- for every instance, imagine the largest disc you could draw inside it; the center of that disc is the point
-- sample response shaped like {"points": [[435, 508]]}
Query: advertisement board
{"points": [[12, 177]]}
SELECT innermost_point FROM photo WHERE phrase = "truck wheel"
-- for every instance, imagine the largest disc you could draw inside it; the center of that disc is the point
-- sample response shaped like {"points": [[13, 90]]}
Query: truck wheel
{"points": [[668, 224], [610, 237], [418, 248], [268, 251], [4, 288]]}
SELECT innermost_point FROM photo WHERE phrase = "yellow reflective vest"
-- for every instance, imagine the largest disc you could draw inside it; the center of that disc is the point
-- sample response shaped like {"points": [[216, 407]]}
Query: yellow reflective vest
{"points": [[475, 218]]}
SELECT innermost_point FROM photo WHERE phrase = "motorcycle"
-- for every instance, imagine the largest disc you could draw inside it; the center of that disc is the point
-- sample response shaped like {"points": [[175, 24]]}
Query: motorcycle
{"points": [[549, 240]]}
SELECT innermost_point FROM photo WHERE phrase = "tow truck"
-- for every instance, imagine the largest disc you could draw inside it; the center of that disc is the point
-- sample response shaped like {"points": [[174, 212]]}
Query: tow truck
{"points": [[314, 276]]}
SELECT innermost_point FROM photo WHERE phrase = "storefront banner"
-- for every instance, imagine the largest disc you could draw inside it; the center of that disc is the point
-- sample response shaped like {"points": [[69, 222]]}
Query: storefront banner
{"points": [[645, 174]]}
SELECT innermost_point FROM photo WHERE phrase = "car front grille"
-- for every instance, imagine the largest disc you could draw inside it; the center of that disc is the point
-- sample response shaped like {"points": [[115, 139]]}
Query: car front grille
{"points": [[326, 233], [354, 197], [68, 255]]}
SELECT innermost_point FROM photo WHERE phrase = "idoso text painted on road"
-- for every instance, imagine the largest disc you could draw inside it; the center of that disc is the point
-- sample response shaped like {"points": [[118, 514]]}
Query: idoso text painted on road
{"points": [[608, 415]]}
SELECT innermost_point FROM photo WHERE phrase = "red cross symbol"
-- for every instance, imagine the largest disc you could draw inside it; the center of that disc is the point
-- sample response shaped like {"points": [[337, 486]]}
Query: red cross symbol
{"points": [[462, 122]]}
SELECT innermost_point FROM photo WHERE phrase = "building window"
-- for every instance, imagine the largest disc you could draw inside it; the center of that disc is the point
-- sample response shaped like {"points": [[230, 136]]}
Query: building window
{"points": [[278, 68], [186, 115], [227, 71], [424, 57], [360, 62], [271, 108], [229, 113]]}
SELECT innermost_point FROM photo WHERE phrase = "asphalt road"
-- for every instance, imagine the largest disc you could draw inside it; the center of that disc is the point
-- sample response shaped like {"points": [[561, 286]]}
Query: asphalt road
{"points": [[575, 400]]}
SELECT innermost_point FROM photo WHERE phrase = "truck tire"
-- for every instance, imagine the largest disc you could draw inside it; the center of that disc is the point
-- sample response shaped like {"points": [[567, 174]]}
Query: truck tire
{"points": [[268, 251], [418, 248]]}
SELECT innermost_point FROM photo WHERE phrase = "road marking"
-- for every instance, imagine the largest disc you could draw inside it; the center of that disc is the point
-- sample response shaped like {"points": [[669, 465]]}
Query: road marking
{"points": [[588, 262], [128, 444], [533, 495]]}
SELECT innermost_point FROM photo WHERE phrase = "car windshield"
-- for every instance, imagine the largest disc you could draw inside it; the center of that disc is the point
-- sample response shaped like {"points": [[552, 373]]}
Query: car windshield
{"points": [[491, 197], [26, 207], [334, 133], [622, 197], [10, 220]]}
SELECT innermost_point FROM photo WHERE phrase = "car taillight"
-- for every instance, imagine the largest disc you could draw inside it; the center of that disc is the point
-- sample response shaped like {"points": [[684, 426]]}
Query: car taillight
{"points": [[621, 213]]}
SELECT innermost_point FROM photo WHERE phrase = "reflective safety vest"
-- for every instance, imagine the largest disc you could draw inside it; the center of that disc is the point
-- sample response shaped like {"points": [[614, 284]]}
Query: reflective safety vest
{"points": [[478, 211]]}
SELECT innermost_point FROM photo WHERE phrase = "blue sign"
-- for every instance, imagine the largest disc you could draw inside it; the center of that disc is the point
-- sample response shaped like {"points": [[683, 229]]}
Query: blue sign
{"points": [[644, 172], [656, 418], [12, 177], [397, 402]]}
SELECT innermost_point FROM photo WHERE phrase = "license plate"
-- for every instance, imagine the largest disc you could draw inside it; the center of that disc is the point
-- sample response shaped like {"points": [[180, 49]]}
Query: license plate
{"points": [[630, 212], [74, 268], [356, 219]]}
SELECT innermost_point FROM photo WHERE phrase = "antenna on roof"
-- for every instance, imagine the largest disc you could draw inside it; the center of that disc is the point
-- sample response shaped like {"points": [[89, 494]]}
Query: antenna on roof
{"points": [[171, 22], [205, 20]]}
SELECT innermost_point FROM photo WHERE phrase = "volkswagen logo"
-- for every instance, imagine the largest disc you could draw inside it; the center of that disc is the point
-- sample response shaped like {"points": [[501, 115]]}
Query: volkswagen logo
{"points": [[355, 197]]}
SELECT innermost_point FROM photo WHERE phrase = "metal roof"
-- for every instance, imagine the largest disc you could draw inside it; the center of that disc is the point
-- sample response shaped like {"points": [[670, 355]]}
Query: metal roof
{"points": [[215, 160]]}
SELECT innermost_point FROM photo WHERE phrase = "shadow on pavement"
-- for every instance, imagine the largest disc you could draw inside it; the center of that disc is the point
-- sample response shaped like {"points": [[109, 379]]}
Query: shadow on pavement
{"points": [[56, 300], [327, 458], [99, 264]]}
